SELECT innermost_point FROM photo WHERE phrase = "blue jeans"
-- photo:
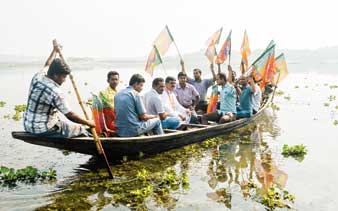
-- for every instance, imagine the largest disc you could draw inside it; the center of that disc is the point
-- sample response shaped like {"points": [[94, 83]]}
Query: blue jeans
{"points": [[151, 125], [243, 113], [170, 123]]}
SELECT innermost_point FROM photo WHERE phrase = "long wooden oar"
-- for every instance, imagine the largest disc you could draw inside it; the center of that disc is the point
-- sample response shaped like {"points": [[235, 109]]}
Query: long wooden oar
{"points": [[98, 144]]}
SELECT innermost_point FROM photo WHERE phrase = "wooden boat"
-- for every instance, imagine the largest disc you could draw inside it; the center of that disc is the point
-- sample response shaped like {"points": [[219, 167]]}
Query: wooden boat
{"points": [[117, 147]]}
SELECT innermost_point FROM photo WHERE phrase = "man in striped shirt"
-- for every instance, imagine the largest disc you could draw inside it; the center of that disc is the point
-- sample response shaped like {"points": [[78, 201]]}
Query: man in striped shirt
{"points": [[46, 99]]}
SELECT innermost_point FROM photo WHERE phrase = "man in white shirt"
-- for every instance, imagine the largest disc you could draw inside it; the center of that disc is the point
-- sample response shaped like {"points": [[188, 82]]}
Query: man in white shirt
{"points": [[170, 102], [154, 106]]}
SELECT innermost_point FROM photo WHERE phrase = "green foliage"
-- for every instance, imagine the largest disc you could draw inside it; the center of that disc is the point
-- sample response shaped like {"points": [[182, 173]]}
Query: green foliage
{"points": [[18, 110], [7, 116], [336, 107], [9, 176], [287, 97], [298, 151], [2, 104], [274, 107], [276, 198], [296, 87], [333, 86], [327, 104], [332, 98], [335, 122], [279, 93]]}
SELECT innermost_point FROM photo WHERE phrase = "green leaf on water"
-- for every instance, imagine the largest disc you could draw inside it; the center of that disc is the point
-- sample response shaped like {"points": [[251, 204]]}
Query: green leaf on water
{"points": [[287, 97], [335, 122], [327, 104], [2, 104]]}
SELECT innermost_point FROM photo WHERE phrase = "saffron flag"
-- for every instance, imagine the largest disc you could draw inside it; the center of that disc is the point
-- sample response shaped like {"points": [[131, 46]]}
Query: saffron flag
{"points": [[154, 59], [269, 70], [260, 64], [245, 51], [225, 50], [212, 105], [210, 52], [98, 117], [280, 68], [163, 41]]}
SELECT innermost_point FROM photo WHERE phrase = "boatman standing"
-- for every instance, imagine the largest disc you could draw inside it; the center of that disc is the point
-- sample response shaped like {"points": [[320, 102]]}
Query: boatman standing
{"points": [[46, 99]]}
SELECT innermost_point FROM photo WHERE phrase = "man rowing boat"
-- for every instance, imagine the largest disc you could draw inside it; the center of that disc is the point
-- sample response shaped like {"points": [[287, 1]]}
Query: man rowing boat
{"points": [[45, 99]]}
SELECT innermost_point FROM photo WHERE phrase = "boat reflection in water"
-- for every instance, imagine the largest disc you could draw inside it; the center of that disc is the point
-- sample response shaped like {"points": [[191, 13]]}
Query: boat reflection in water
{"points": [[232, 164]]}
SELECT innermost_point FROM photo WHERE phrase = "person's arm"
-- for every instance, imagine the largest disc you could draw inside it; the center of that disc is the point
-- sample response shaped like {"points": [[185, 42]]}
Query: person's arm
{"points": [[197, 99], [252, 84], [51, 57], [219, 68], [77, 119], [183, 67], [145, 117], [163, 115], [230, 74], [213, 72]]}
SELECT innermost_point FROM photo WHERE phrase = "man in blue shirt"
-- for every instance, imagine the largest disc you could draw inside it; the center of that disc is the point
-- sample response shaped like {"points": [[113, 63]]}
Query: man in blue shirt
{"points": [[245, 96], [227, 111], [131, 117]]}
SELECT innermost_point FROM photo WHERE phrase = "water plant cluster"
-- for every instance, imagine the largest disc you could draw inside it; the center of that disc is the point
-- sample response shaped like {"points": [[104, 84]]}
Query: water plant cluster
{"points": [[2, 104], [297, 151], [272, 198], [29, 174]]}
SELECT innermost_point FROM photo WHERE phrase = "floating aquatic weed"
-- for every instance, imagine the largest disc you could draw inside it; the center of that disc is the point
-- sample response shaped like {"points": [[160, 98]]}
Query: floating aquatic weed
{"points": [[335, 122], [85, 83], [274, 107], [327, 104], [297, 151], [332, 98], [2, 104], [306, 86], [10, 176], [279, 93], [326, 84], [7, 116], [296, 87], [18, 110], [333, 86], [287, 97], [336, 107]]}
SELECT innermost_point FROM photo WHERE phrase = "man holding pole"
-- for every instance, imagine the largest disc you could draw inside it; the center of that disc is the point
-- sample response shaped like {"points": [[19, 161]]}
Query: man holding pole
{"points": [[45, 99]]}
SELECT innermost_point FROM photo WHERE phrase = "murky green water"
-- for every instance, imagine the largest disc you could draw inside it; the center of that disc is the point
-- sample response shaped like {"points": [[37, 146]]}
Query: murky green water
{"points": [[217, 174]]}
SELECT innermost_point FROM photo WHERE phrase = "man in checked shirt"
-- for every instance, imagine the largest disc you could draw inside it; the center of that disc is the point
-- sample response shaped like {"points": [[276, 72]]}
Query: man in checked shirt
{"points": [[45, 99]]}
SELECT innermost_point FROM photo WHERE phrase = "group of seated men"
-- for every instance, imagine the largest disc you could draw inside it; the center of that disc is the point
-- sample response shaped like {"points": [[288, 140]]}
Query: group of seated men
{"points": [[167, 105]]}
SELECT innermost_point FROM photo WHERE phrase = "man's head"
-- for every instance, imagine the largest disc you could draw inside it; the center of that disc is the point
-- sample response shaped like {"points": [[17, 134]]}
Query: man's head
{"points": [[170, 83], [137, 81], [158, 85], [58, 71], [113, 78], [221, 79], [243, 80], [197, 74], [182, 78]]}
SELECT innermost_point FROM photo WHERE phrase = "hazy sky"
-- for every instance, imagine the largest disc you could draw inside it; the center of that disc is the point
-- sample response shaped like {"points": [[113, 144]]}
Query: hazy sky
{"points": [[125, 28]]}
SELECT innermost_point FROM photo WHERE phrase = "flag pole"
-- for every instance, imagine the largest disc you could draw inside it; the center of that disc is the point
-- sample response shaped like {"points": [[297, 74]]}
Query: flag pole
{"points": [[273, 94], [164, 69]]}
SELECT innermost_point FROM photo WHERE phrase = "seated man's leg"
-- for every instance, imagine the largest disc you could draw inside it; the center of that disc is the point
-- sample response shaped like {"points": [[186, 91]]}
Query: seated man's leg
{"points": [[243, 114], [228, 117], [151, 125], [66, 130], [201, 107], [170, 123], [213, 116], [193, 118]]}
